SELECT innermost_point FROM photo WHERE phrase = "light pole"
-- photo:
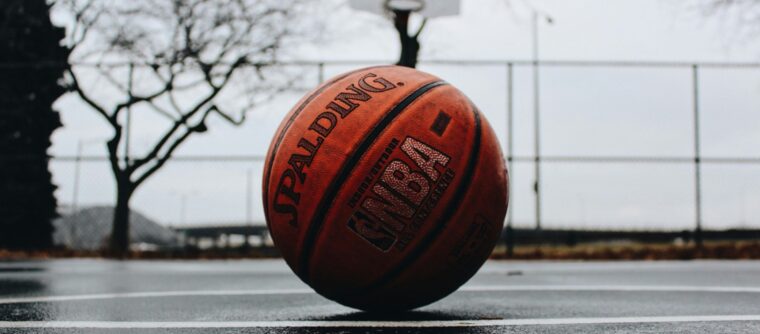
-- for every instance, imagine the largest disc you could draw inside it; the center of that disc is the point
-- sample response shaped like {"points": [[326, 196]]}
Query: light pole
{"points": [[183, 196], [77, 170], [128, 121], [183, 209], [75, 193], [536, 110], [248, 206], [249, 197]]}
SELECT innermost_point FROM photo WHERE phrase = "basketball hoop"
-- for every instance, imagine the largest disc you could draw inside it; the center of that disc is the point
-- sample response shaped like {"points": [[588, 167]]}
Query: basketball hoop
{"points": [[426, 8], [399, 12], [404, 5]]}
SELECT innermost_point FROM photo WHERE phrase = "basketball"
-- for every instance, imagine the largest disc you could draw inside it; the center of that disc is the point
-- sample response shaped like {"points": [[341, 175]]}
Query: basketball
{"points": [[385, 189]]}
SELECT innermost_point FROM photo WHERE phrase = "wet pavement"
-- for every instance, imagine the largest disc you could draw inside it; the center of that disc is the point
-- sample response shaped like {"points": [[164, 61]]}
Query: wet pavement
{"points": [[263, 296]]}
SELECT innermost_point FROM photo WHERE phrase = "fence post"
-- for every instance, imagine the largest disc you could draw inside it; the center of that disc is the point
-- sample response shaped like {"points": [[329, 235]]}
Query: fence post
{"points": [[75, 192], [697, 159], [248, 205], [510, 237], [537, 143], [321, 72]]}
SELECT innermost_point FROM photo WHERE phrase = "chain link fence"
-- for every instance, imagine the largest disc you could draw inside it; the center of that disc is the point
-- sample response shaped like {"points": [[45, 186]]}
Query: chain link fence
{"points": [[591, 145]]}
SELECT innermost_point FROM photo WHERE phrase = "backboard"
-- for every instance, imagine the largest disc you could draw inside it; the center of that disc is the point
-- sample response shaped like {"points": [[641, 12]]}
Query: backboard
{"points": [[426, 8]]}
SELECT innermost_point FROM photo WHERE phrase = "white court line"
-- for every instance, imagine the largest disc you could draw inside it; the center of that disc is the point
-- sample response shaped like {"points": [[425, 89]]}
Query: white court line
{"points": [[369, 324], [155, 294], [484, 288], [622, 288]]}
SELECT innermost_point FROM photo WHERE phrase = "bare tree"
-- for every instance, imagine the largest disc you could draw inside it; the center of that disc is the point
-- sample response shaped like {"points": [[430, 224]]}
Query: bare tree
{"points": [[184, 60], [749, 8], [741, 16]]}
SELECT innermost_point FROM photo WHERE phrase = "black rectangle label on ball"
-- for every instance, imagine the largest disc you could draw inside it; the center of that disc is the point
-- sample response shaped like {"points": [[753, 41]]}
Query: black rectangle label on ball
{"points": [[441, 123]]}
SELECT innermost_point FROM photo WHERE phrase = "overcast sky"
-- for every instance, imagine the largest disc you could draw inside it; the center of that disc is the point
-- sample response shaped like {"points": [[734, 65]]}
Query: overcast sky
{"points": [[588, 111]]}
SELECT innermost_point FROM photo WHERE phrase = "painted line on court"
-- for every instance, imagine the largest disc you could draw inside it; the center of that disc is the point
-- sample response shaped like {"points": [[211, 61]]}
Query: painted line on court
{"points": [[370, 324], [612, 288], [45, 299], [493, 288]]}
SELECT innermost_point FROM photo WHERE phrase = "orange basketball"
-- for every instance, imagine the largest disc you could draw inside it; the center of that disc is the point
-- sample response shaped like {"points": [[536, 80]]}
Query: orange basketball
{"points": [[385, 189]]}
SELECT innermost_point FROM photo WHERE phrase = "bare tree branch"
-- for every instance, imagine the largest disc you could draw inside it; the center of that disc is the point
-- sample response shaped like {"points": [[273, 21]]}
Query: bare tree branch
{"points": [[742, 17], [74, 84], [161, 111], [134, 99], [184, 57], [161, 161], [199, 127]]}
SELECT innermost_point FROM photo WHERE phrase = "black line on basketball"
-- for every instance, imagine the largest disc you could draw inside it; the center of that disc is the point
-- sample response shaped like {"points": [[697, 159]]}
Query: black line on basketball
{"points": [[292, 119], [451, 208], [329, 195]]}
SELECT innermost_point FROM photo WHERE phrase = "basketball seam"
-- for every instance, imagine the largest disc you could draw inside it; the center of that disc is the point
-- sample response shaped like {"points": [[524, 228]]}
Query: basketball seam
{"points": [[315, 226], [454, 204], [280, 135]]}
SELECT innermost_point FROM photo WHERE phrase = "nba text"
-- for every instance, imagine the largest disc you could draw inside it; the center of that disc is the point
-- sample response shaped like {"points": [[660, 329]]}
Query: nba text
{"points": [[402, 198]]}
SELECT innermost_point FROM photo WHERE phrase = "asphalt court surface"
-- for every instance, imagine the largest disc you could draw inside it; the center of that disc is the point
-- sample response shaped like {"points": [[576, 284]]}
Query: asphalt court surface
{"points": [[263, 296]]}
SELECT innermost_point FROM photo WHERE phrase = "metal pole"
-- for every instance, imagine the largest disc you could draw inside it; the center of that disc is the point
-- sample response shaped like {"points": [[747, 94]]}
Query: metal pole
{"points": [[321, 72], [129, 117], [75, 195], [536, 123], [249, 197], [248, 207], [697, 159], [510, 237], [182, 202]]}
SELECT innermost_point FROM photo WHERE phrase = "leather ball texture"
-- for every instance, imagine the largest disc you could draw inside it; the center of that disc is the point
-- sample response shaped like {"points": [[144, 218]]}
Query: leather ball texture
{"points": [[385, 189]]}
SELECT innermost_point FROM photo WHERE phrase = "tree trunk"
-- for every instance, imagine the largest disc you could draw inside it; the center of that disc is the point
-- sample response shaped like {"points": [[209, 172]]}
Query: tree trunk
{"points": [[119, 243], [410, 46]]}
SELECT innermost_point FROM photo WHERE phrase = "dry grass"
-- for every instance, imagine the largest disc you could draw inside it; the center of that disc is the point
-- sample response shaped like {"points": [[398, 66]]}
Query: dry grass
{"points": [[191, 254], [729, 250]]}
